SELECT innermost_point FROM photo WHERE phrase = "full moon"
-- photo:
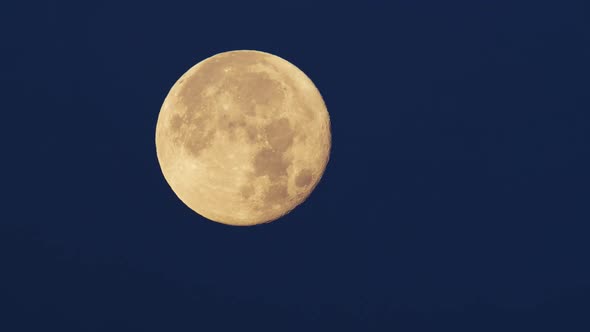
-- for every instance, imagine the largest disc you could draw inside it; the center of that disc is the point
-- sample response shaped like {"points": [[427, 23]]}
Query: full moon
{"points": [[243, 137]]}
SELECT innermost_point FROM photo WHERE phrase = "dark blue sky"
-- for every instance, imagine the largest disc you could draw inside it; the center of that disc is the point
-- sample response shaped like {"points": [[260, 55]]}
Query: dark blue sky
{"points": [[456, 197]]}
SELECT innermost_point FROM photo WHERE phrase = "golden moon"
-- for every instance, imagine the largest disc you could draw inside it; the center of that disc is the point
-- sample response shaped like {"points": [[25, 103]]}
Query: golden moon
{"points": [[243, 137]]}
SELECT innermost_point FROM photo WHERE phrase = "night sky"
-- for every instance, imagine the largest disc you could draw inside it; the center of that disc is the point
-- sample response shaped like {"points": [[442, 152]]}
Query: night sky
{"points": [[457, 197]]}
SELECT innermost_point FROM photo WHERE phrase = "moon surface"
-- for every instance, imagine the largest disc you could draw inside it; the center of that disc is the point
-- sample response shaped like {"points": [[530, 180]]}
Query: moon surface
{"points": [[243, 137]]}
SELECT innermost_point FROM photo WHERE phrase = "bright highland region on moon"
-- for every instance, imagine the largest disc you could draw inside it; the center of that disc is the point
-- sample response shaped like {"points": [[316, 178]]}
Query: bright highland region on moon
{"points": [[243, 137]]}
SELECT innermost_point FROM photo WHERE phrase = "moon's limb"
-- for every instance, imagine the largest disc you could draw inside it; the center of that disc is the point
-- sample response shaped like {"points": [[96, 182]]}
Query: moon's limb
{"points": [[243, 137]]}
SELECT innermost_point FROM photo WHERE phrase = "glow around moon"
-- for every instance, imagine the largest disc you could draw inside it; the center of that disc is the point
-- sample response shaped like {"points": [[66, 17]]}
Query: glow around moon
{"points": [[243, 137]]}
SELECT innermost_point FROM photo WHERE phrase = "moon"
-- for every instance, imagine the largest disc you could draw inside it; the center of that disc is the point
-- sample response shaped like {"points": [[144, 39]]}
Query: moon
{"points": [[243, 137]]}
